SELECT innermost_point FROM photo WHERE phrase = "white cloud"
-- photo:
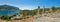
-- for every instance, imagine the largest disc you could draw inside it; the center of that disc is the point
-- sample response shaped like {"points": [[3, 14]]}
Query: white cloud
{"points": [[23, 7]]}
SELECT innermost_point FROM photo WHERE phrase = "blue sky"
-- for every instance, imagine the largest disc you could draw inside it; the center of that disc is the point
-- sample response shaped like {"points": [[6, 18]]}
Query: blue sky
{"points": [[31, 4]]}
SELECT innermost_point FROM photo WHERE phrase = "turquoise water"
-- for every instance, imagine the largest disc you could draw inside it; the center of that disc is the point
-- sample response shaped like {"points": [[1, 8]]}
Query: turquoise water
{"points": [[9, 10]]}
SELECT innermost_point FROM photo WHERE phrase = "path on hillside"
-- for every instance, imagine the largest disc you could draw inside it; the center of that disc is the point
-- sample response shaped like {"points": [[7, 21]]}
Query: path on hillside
{"points": [[46, 19]]}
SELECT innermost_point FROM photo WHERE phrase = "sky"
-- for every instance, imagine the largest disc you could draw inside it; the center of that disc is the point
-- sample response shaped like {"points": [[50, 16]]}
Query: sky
{"points": [[31, 4]]}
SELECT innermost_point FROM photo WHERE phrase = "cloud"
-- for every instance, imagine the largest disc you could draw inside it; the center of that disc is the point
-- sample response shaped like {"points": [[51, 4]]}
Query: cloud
{"points": [[27, 7]]}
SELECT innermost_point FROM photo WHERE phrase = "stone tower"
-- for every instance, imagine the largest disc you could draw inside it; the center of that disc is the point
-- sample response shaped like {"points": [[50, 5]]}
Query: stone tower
{"points": [[38, 10]]}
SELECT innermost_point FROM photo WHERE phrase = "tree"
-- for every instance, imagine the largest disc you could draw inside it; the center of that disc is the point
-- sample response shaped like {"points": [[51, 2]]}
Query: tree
{"points": [[6, 18], [53, 8]]}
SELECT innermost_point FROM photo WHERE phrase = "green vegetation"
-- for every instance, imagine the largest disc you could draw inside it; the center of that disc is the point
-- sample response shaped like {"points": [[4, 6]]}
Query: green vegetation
{"points": [[6, 18], [34, 12]]}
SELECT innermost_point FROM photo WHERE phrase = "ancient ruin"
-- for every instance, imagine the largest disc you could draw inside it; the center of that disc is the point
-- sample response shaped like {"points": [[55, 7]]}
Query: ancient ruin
{"points": [[44, 17]]}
